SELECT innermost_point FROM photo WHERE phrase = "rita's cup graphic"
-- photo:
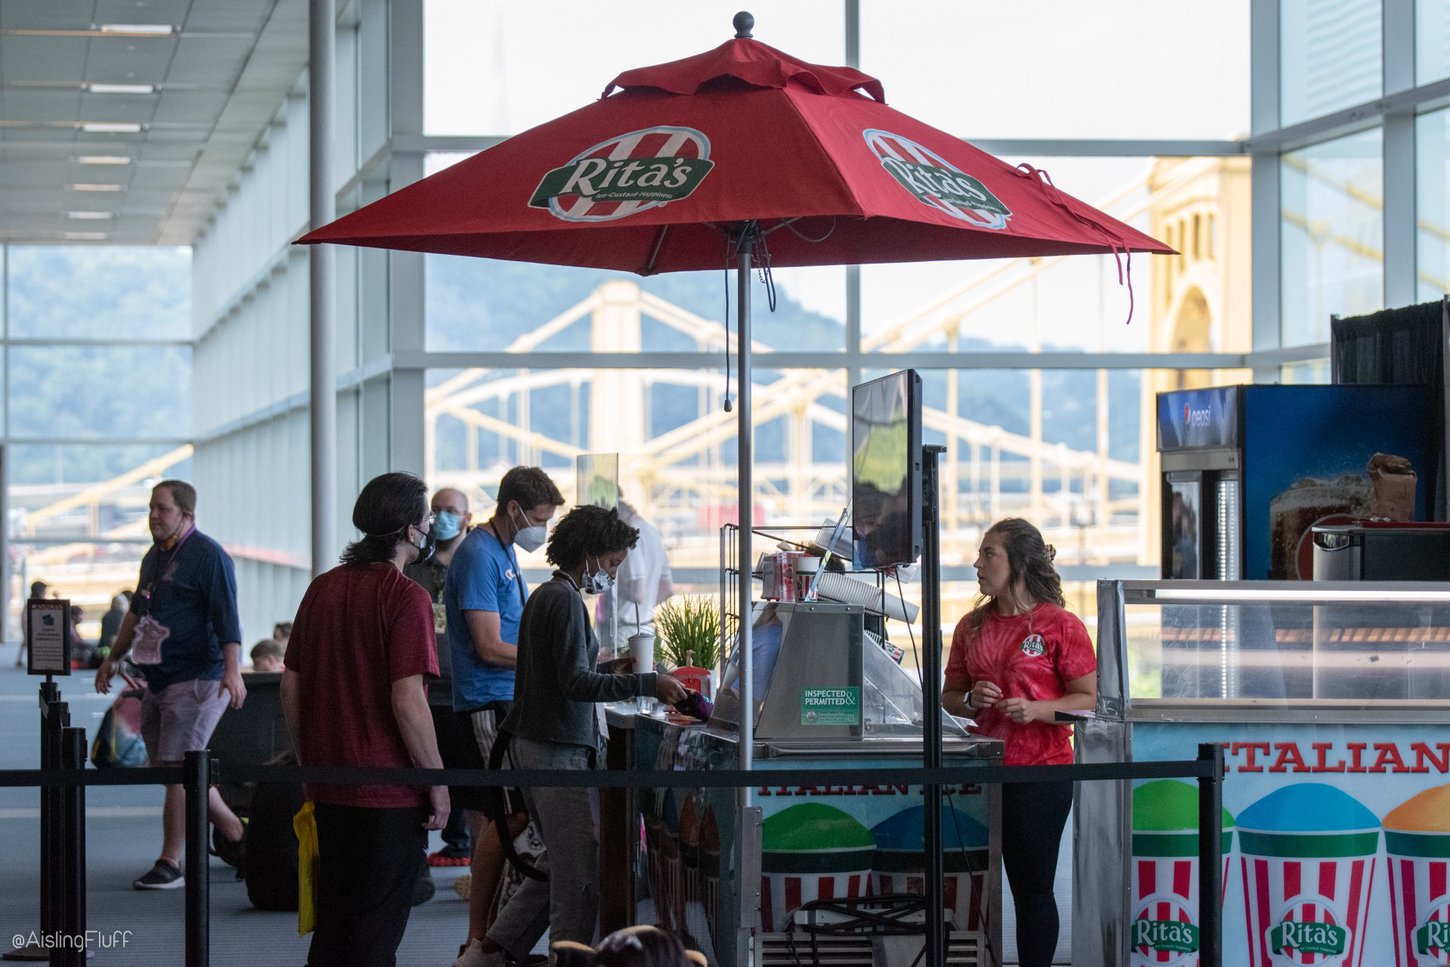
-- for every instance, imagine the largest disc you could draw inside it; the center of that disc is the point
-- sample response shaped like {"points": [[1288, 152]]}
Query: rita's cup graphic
{"points": [[1165, 930], [810, 852], [1308, 861], [899, 865], [1417, 839]]}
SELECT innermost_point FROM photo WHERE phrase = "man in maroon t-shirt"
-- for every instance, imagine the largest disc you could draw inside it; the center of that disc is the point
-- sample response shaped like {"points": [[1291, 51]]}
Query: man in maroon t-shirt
{"points": [[354, 691]]}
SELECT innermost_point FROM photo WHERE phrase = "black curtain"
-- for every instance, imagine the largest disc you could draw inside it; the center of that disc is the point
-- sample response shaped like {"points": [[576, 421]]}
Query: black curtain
{"points": [[1405, 345]]}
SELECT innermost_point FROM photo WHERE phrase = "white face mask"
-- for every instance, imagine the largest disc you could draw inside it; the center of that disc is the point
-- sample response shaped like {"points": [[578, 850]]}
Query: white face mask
{"points": [[596, 582], [531, 537]]}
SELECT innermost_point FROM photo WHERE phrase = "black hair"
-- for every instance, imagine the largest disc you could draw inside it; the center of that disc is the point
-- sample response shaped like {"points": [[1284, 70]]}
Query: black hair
{"points": [[386, 507], [641, 946], [588, 531], [1030, 559], [530, 486]]}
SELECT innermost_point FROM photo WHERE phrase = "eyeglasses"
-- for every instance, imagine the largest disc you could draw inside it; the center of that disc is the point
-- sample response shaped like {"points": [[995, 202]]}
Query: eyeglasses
{"points": [[428, 521]]}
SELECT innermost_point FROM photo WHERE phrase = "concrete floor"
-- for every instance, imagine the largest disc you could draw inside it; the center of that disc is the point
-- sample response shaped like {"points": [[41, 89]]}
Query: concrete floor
{"points": [[123, 836]]}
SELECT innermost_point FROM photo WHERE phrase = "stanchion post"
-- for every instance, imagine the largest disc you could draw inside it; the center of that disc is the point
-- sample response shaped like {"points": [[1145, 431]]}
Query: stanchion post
{"points": [[197, 783], [54, 717], [931, 750], [1210, 858], [72, 809]]}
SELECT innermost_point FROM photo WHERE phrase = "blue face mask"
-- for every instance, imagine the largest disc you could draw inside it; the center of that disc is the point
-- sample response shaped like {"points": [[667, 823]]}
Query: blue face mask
{"points": [[447, 525]]}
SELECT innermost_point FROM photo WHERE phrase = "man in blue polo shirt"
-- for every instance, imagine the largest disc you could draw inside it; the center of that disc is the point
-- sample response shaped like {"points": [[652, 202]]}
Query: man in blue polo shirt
{"points": [[484, 594], [184, 634]]}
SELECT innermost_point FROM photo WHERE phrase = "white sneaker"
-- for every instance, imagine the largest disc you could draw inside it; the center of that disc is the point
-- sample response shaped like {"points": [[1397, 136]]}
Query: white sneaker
{"points": [[473, 956]]}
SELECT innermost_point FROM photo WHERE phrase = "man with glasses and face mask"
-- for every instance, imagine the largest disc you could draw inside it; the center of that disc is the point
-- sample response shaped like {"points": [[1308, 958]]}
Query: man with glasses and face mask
{"points": [[450, 525], [184, 633], [484, 594]]}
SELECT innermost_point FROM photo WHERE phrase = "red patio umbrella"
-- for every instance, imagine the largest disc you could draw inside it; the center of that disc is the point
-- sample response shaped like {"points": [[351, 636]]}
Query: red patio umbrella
{"points": [[674, 161], [741, 155]]}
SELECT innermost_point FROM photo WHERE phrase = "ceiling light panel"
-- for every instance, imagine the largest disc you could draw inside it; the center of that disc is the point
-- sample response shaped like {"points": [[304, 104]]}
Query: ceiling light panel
{"points": [[94, 88]]}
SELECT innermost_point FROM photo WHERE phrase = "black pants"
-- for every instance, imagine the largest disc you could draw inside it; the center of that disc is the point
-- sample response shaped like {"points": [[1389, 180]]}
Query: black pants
{"points": [[1033, 816], [367, 863]]}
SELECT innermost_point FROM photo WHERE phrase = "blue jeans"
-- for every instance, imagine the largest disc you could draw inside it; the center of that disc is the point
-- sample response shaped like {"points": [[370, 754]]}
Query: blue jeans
{"points": [[568, 822]]}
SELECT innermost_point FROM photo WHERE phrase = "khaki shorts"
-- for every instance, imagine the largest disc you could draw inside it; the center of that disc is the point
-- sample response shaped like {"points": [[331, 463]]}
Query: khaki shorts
{"points": [[180, 719], [483, 725]]}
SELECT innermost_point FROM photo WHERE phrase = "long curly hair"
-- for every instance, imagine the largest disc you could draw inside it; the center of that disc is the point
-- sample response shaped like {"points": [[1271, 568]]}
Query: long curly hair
{"points": [[1030, 559], [588, 531]]}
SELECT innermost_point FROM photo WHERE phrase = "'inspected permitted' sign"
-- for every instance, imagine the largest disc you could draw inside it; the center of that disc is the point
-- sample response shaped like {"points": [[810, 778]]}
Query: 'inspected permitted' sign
{"points": [[834, 705]]}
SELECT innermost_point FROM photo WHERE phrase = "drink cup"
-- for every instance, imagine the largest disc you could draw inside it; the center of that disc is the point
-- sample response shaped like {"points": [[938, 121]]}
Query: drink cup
{"points": [[899, 864], [810, 852], [1417, 844], [1165, 927], [1308, 853], [642, 648]]}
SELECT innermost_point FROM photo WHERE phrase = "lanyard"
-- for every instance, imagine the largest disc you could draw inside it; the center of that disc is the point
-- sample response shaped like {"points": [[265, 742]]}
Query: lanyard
{"points": [[513, 559]]}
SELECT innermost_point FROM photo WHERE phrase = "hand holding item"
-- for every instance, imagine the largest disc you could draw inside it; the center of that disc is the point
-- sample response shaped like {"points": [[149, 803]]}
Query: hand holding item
{"points": [[1018, 710], [983, 695], [668, 689]]}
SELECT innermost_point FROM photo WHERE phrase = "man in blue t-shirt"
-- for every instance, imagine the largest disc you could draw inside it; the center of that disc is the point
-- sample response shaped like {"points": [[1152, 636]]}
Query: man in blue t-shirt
{"points": [[484, 594], [184, 634]]}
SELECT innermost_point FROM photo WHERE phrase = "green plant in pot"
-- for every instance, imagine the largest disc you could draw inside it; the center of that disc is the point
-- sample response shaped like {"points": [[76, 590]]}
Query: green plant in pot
{"points": [[688, 631]]}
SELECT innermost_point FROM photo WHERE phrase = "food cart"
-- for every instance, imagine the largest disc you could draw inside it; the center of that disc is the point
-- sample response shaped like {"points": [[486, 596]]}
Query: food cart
{"points": [[786, 867], [1331, 702]]}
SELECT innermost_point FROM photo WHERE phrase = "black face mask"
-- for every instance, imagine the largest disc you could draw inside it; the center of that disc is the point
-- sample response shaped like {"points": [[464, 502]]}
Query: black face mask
{"points": [[428, 547]]}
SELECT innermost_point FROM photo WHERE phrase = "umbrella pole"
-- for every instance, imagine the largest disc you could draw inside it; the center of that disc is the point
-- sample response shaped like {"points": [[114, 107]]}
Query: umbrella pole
{"points": [[744, 464], [745, 484]]}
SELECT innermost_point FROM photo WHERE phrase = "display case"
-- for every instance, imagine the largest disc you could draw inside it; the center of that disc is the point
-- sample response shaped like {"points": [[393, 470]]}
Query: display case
{"points": [[1332, 701]]}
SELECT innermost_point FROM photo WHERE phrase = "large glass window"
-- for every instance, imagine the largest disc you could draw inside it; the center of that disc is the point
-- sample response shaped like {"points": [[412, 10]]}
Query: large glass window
{"points": [[512, 53], [100, 391], [1331, 56], [1064, 69], [78, 519], [1432, 198], [485, 304], [1332, 234], [1197, 301], [99, 292], [75, 373], [1432, 40]]}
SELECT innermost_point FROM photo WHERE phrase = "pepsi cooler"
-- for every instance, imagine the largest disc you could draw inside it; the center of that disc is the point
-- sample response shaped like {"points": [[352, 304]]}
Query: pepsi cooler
{"points": [[1249, 471]]}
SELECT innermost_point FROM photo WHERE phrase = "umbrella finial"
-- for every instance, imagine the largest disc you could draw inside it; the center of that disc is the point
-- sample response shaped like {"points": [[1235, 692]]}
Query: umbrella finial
{"points": [[744, 22]]}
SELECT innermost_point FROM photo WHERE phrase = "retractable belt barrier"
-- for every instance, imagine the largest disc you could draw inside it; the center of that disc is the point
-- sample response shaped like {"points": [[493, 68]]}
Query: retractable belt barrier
{"points": [[200, 771]]}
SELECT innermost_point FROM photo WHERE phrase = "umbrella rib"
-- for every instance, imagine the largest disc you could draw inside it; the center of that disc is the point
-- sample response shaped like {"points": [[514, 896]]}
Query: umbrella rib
{"points": [[654, 253]]}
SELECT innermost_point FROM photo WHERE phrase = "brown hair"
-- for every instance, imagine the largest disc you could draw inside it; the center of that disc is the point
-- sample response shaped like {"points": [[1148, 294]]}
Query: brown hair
{"points": [[530, 486], [182, 493], [1030, 559]]}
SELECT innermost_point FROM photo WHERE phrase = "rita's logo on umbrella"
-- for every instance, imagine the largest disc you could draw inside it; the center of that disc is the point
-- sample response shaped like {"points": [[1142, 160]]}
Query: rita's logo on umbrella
{"points": [[626, 175], [935, 181]]}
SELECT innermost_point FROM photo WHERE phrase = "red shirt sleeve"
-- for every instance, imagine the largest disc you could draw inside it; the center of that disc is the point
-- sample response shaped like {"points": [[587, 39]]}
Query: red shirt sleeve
{"points": [[956, 671], [1076, 656]]}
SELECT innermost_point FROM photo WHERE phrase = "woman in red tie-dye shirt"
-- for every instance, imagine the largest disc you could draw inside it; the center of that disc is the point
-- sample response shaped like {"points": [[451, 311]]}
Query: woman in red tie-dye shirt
{"points": [[1017, 659]]}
